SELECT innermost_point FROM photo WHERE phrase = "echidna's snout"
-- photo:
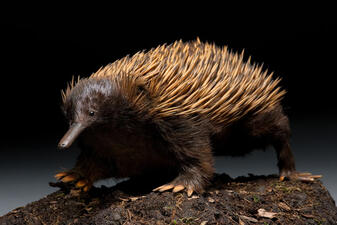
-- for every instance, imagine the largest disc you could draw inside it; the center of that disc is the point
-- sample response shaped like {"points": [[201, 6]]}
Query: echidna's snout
{"points": [[74, 130]]}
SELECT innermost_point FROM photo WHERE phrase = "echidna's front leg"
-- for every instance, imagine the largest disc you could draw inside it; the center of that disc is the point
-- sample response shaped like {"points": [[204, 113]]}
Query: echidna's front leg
{"points": [[75, 177], [191, 180], [194, 175], [189, 141], [88, 169]]}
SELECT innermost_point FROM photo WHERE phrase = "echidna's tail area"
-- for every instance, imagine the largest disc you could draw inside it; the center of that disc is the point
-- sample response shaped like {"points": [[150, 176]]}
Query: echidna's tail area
{"points": [[199, 79]]}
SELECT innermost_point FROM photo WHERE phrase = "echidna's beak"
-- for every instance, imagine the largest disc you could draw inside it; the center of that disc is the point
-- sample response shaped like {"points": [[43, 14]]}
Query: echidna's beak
{"points": [[71, 135]]}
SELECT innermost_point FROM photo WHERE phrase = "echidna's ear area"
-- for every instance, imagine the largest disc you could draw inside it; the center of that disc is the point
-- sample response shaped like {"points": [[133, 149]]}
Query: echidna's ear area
{"points": [[134, 89], [70, 85]]}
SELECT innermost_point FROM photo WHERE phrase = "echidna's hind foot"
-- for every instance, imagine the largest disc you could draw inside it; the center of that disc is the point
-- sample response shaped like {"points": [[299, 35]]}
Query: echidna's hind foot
{"points": [[280, 135], [294, 175], [286, 162], [80, 183]]}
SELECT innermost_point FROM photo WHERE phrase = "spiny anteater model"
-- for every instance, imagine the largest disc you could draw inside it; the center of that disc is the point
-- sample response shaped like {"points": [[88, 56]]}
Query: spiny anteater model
{"points": [[168, 110]]}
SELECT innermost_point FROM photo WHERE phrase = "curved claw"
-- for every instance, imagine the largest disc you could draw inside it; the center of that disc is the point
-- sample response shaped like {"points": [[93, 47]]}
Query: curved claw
{"points": [[84, 185], [81, 183], [304, 174], [60, 175], [178, 188], [189, 192], [68, 178], [175, 188], [316, 176], [86, 188], [164, 187]]}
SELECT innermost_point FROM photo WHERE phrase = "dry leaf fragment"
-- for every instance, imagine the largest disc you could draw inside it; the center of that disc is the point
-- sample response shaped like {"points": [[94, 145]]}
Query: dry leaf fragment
{"points": [[264, 213], [309, 216], [211, 200], [284, 206], [250, 219]]}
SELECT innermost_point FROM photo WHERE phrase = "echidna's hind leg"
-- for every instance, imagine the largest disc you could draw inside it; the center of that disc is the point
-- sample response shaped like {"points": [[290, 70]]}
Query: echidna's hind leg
{"points": [[285, 157], [273, 128], [280, 141]]}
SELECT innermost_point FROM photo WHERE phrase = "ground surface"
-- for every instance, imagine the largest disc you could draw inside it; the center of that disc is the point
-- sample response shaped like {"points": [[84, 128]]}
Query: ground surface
{"points": [[245, 200]]}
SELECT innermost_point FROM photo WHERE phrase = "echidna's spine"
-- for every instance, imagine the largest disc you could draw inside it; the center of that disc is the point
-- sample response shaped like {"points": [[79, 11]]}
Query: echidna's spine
{"points": [[197, 78]]}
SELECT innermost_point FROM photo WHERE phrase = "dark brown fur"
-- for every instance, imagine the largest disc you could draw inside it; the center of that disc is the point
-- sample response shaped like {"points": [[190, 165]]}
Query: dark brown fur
{"points": [[120, 142], [170, 109]]}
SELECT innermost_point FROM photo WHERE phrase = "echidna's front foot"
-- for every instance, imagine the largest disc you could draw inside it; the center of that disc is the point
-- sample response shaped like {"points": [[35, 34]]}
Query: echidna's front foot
{"points": [[175, 188], [294, 175], [193, 180], [79, 182]]}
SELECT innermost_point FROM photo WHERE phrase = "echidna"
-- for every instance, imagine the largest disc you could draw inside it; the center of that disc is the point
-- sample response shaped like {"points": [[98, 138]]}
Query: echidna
{"points": [[169, 109]]}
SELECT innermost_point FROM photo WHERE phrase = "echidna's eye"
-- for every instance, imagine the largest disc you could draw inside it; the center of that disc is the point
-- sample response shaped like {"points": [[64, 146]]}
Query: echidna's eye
{"points": [[91, 113]]}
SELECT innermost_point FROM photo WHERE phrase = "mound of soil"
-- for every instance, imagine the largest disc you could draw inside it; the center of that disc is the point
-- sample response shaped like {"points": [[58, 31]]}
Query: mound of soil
{"points": [[245, 200]]}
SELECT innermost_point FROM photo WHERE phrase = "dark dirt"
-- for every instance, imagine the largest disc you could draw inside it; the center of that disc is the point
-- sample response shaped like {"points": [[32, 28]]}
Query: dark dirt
{"points": [[245, 200]]}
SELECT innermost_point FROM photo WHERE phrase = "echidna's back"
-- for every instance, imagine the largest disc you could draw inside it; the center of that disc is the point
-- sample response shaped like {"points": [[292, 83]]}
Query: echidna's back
{"points": [[194, 78]]}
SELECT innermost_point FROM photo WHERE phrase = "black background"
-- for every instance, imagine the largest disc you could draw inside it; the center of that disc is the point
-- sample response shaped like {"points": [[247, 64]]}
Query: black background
{"points": [[42, 50], [40, 53]]}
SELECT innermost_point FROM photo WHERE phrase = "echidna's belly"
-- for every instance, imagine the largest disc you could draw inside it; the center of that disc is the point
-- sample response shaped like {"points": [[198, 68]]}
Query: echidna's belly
{"points": [[236, 140], [131, 154]]}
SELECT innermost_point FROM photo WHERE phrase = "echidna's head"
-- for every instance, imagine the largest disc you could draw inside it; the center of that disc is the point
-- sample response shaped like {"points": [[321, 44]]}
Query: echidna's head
{"points": [[91, 102]]}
